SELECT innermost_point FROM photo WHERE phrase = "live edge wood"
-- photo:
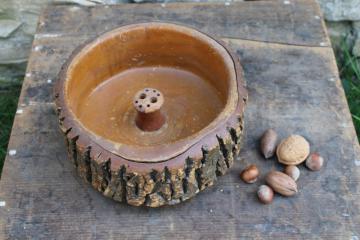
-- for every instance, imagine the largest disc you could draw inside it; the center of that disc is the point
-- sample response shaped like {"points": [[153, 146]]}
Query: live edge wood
{"points": [[179, 175], [293, 87], [154, 188]]}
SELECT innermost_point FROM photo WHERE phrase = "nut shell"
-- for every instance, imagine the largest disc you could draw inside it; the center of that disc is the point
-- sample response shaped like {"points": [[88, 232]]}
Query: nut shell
{"points": [[250, 174], [265, 194], [268, 143], [293, 172], [281, 183], [293, 150], [314, 162]]}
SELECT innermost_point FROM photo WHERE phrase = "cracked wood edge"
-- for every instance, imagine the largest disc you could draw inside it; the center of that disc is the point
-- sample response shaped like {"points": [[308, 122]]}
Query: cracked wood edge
{"points": [[156, 187]]}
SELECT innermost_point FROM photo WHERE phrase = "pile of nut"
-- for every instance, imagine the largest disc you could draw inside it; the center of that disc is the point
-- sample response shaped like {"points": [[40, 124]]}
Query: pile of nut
{"points": [[291, 151]]}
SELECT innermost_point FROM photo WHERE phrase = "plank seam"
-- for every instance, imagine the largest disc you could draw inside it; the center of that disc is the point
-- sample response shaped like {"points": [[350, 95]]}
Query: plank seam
{"points": [[278, 43]]}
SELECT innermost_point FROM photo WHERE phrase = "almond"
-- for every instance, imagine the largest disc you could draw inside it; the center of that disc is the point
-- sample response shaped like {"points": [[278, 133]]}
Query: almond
{"points": [[281, 183]]}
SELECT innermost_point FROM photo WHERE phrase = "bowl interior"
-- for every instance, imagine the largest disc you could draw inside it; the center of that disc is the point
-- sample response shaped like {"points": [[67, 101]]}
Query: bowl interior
{"points": [[194, 73]]}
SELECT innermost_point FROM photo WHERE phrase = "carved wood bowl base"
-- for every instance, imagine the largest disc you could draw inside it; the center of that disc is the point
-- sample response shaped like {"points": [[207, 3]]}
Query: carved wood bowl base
{"points": [[152, 113]]}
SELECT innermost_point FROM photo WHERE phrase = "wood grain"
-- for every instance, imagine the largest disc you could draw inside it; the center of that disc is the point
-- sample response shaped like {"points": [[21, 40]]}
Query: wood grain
{"points": [[269, 21], [293, 89]]}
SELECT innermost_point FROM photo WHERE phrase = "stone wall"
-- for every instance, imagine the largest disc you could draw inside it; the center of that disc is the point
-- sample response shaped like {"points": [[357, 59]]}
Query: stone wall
{"points": [[343, 21], [18, 20]]}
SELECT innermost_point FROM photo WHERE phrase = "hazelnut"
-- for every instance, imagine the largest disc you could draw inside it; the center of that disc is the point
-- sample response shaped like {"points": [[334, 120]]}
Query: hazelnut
{"points": [[265, 194], [293, 150], [268, 143], [250, 174], [314, 162], [293, 172], [281, 183]]}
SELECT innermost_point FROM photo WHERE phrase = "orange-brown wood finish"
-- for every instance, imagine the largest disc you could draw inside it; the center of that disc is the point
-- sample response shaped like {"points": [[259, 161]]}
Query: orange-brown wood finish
{"points": [[148, 103], [198, 98]]}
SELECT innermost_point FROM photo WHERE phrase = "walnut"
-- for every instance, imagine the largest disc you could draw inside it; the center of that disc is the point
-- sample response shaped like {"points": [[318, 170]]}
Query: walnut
{"points": [[293, 150]]}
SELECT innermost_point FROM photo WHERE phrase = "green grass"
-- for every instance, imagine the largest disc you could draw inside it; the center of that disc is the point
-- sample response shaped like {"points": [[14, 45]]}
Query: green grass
{"points": [[349, 67], [9, 94]]}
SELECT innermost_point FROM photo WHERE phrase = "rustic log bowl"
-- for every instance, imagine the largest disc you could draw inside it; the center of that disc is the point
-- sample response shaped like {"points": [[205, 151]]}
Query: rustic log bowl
{"points": [[151, 113]]}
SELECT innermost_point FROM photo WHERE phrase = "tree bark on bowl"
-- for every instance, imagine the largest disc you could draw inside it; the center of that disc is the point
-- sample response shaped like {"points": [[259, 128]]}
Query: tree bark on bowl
{"points": [[153, 168]]}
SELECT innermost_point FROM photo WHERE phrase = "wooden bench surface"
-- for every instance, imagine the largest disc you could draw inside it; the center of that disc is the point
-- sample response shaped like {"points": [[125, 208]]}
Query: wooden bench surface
{"points": [[293, 87]]}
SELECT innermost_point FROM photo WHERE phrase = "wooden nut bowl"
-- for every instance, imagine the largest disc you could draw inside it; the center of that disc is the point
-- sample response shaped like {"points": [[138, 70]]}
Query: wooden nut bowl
{"points": [[152, 113]]}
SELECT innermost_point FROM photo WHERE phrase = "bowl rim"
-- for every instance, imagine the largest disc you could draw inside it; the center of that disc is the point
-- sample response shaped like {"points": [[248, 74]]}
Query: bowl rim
{"points": [[71, 125]]}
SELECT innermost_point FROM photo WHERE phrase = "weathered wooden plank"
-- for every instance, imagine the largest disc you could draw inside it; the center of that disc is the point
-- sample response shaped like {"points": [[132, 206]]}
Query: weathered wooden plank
{"points": [[298, 22], [40, 77], [291, 88], [40, 197]]}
